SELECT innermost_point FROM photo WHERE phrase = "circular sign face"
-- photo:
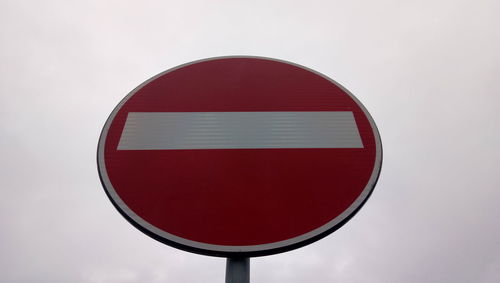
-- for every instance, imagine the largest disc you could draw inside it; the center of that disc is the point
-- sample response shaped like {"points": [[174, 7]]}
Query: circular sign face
{"points": [[239, 156]]}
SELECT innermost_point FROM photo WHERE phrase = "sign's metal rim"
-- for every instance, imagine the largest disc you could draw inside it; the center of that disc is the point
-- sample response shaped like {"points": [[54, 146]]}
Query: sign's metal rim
{"points": [[221, 250]]}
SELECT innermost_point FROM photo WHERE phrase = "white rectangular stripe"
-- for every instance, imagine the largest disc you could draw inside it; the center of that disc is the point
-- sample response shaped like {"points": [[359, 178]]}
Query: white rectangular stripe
{"points": [[239, 130]]}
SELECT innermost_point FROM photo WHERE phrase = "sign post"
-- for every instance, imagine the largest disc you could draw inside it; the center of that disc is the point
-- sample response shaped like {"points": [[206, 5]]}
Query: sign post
{"points": [[238, 270], [291, 151]]}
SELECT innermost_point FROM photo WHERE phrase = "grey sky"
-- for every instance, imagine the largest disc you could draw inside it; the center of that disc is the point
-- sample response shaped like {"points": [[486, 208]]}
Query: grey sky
{"points": [[426, 70]]}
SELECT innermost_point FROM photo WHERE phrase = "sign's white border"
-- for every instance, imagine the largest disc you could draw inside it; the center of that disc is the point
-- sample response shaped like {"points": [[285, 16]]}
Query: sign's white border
{"points": [[219, 250]]}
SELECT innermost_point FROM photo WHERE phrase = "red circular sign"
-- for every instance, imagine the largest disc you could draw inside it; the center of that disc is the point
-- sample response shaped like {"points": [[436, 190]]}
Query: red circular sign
{"points": [[239, 156]]}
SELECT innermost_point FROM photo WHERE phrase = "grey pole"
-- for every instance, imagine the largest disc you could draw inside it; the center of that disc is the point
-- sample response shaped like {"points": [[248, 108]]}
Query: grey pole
{"points": [[238, 270]]}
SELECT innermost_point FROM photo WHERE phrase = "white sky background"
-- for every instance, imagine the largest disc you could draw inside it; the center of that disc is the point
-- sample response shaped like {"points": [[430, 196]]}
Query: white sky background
{"points": [[428, 71]]}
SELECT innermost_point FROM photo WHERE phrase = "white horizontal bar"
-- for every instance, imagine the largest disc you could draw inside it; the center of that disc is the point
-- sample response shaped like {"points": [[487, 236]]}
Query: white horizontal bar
{"points": [[232, 130]]}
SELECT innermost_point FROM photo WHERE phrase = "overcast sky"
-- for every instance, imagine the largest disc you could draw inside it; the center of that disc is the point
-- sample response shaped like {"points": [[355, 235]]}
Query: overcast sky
{"points": [[428, 72]]}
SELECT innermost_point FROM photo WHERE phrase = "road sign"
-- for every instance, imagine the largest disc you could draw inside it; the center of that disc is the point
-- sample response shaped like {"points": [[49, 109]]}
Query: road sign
{"points": [[239, 156]]}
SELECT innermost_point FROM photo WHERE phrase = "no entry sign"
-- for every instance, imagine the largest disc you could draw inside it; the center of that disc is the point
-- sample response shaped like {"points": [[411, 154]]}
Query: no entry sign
{"points": [[239, 156]]}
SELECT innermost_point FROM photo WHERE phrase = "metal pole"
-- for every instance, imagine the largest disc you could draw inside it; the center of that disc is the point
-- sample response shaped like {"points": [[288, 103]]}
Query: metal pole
{"points": [[238, 270]]}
